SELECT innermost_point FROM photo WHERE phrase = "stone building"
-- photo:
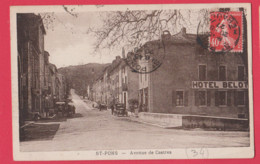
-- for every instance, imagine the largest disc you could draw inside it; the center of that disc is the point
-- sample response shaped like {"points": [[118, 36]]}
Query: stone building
{"points": [[117, 82], [194, 81], [30, 42], [39, 81], [114, 76], [62, 87], [128, 84], [53, 84]]}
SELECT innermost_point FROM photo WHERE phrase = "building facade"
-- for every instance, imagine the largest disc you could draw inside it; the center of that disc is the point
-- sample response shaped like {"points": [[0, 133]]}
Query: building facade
{"points": [[53, 85], [62, 88], [39, 82], [194, 81], [129, 84], [118, 82], [30, 40]]}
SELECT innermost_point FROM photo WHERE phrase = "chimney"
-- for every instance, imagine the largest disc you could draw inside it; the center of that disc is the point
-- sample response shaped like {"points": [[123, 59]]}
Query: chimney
{"points": [[123, 52], [118, 58], [183, 31], [166, 35]]}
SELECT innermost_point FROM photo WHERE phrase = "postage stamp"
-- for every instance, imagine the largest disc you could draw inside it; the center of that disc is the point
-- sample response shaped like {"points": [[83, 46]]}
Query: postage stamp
{"points": [[226, 31], [123, 82]]}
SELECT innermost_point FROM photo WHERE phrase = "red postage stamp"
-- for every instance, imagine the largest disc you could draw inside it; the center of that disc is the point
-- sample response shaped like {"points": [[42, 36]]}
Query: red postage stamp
{"points": [[226, 31]]}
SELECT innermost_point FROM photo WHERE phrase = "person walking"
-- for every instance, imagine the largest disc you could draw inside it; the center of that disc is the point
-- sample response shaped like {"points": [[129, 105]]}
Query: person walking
{"points": [[113, 106]]}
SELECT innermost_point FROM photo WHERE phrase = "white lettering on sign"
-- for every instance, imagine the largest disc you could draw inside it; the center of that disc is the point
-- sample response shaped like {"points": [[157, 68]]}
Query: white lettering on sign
{"points": [[219, 85]]}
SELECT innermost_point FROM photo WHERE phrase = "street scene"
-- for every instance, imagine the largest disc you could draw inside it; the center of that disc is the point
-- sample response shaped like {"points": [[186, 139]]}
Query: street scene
{"points": [[92, 129], [133, 79]]}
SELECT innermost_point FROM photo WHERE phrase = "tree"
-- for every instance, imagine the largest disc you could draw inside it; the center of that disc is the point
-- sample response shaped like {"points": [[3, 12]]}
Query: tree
{"points": [[49, 18], [134, 27]]}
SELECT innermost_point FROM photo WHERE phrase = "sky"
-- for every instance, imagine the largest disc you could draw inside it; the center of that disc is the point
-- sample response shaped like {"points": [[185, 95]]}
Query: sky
{"points": [[69, 44]]}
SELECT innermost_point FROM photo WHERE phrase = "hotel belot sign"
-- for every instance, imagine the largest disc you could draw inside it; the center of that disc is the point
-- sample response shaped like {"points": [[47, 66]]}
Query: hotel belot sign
{"points": [[219, 85]]}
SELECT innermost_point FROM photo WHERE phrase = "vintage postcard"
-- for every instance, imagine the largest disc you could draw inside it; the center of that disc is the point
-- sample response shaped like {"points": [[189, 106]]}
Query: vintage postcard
{"points": [[102, 82]]}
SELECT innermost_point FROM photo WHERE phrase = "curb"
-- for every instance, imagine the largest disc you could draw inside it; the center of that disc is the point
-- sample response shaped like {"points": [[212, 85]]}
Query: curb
{"points": [[26, 124], [154, 124]]}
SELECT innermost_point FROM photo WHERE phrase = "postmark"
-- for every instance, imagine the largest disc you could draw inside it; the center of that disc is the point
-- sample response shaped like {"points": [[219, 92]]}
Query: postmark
{"points": [[225, 33], [148, 57]]}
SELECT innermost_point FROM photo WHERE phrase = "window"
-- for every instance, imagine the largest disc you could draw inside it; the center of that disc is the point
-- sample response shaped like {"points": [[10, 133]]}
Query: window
{"points": [[241, 73], [179, 98], [202, 98], [240, 98], [202, 72], [222, 73], [222, 97]]}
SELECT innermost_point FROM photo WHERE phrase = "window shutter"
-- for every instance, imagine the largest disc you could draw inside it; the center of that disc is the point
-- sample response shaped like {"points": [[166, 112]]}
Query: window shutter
{"points": [[186, 98], [229, 95], [246, 98], [208, 97], [196, 98], [235, 98], [216, 98], [173, 98]]}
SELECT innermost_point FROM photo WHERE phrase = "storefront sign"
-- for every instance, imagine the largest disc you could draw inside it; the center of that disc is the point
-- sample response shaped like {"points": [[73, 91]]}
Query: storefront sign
{"points": [[219, 85]]}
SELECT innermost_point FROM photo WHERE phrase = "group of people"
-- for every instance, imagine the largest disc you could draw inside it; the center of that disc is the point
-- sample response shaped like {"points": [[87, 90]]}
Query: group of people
{"points": [[113, 104]]}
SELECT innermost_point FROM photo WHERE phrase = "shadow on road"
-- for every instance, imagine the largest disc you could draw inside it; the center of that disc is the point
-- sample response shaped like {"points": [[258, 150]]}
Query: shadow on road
{"points": [[77, 115], [55, 119], [38, 132]]}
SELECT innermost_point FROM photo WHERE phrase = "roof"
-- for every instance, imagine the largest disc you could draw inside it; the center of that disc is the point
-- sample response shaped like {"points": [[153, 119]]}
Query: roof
{"points": [[183, 37], [46, 53], [180, 38], [52, 67], [115, 64]]}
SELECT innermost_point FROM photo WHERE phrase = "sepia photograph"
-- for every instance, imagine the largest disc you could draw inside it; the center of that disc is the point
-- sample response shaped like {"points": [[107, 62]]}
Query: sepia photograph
{"points": [[102, 82]]}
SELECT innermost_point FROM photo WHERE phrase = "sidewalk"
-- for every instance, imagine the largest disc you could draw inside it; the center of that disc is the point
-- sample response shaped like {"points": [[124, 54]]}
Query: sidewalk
{"points": [[39, 131], [43, 129], [177, 121], [152, 123], [133, 118]]}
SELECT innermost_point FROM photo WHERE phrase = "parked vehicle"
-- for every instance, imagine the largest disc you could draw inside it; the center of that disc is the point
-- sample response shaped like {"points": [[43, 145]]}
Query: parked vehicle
{"points": [[120, 110], [102, 107], [71, 109], [60, 107]]}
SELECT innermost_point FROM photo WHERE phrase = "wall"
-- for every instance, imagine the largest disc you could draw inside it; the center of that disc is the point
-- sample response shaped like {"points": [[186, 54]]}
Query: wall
{"points": [[179, 68], [194, 121], [28, 34], [215, 123], [132, 83]]}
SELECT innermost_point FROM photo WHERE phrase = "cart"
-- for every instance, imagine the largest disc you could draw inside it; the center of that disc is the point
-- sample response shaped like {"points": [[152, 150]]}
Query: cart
{"points": [[120, 110]]}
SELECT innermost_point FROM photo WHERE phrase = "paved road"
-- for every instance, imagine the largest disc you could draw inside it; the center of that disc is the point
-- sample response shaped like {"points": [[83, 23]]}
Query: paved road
{"points": [[94, 130]]}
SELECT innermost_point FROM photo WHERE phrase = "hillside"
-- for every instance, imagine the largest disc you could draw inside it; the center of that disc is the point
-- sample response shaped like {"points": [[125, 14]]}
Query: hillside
{"points": [[80, 76]]}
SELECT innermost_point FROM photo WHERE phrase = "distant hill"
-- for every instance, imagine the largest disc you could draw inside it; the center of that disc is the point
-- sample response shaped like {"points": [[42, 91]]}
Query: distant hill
{"points": [[80, 76]]}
